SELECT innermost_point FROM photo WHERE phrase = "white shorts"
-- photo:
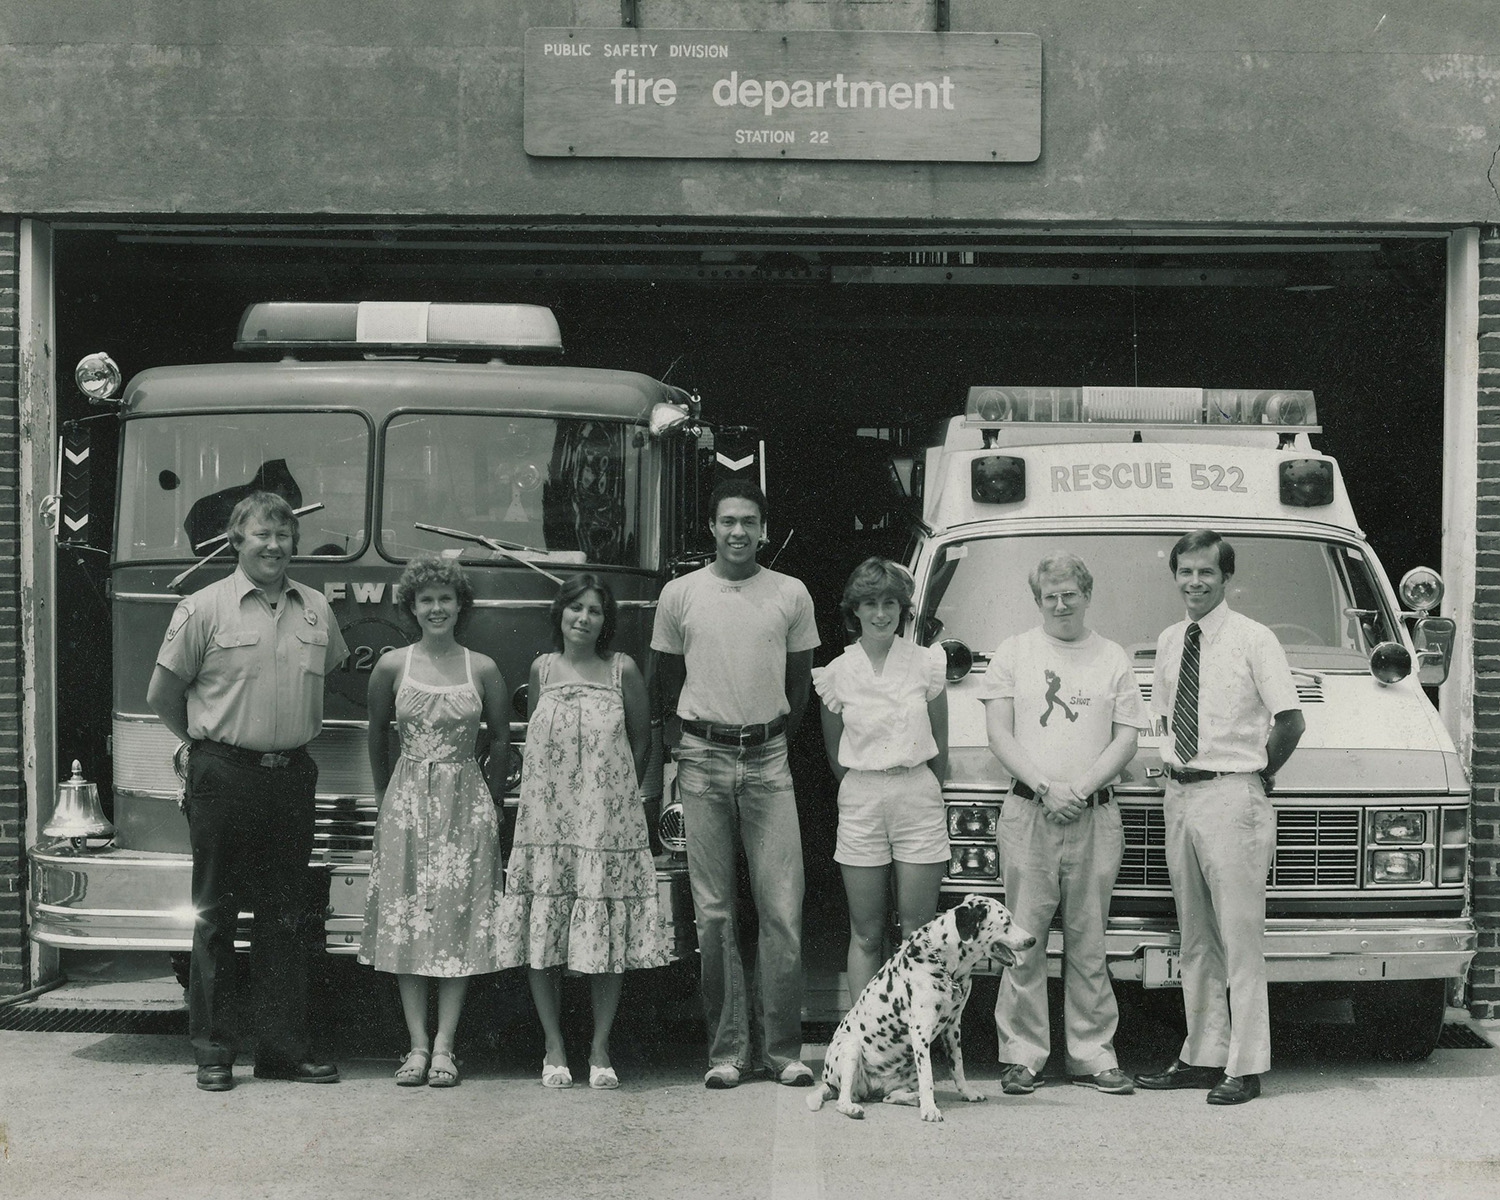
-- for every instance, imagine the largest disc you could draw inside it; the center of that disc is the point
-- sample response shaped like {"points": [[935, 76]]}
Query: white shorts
{"points": [[885, 815]]}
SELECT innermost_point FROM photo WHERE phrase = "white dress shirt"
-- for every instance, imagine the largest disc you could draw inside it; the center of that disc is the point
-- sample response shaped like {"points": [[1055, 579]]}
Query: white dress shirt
{"points": [[1243, 682]]}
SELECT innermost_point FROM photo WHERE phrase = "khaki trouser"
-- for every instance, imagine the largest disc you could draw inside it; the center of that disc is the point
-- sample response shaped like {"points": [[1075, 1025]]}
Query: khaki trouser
{"points": [[1048, 867], [1221, 835]]}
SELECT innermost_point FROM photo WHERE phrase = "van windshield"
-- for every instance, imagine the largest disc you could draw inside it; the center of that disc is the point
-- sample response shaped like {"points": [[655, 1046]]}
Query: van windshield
{"points": [[568, 488], [182, 476], [1319, 598]]}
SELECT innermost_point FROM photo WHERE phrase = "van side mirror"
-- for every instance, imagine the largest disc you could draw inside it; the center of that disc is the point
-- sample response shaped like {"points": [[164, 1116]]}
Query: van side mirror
{"points": [[1433, 638]]}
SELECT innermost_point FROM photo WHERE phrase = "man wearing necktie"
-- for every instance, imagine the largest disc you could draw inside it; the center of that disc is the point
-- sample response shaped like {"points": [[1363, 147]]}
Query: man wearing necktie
{"points": [[1223, 681]]}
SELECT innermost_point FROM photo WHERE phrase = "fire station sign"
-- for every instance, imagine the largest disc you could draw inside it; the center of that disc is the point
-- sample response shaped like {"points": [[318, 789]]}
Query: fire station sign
{"points": [[710, 93]]}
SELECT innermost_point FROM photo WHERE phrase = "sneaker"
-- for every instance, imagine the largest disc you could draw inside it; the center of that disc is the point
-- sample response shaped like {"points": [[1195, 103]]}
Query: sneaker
{"points": [[721, 1077], [1114, 1081], [1019, 1081], [795, 1074]]}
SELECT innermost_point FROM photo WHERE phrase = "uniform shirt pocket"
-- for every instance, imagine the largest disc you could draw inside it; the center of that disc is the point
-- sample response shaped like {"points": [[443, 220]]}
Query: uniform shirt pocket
{"points": [[234, 653], [314, 651]]}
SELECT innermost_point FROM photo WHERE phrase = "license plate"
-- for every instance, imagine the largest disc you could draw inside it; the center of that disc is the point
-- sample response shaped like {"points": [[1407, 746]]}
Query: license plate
{"points": [[1161, 969]]}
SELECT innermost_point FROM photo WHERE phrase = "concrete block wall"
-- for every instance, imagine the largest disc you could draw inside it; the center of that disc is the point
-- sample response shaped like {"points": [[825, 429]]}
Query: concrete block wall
{"points": [[12, 790], [1484, 976]]}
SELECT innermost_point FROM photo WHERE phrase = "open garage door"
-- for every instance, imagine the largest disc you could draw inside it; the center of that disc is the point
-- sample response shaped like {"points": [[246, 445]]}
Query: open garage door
{"points": [[815, 338]]}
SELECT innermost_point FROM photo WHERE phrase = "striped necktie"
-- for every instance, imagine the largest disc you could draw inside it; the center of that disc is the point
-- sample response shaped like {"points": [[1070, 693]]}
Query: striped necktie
{"points": [[1185, 706]]}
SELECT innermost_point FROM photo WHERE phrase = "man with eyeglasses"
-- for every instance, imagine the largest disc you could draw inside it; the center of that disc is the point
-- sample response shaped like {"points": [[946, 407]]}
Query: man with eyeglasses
{"points": [[1063, 714]]}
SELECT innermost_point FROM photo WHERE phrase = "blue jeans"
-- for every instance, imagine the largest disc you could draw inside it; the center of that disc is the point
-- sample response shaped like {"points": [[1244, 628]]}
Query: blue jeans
{"points": [[729, 793]]}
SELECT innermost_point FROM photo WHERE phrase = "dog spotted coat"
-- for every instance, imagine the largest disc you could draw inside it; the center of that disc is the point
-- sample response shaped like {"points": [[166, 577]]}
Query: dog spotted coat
{"points": [[882, 1049]]}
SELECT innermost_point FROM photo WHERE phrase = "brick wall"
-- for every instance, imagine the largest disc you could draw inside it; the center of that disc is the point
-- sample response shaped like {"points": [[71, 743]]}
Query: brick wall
{"points": [[1484, 978], [12, 828]]}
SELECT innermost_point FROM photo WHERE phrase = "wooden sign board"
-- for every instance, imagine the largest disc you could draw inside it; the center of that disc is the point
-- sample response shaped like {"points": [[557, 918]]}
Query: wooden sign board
{"points": [[710, 93]]}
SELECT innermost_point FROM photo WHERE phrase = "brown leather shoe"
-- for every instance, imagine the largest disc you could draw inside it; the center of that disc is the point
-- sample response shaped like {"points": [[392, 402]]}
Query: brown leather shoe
{"points": [[1235, 1089], [1181, 1075]]}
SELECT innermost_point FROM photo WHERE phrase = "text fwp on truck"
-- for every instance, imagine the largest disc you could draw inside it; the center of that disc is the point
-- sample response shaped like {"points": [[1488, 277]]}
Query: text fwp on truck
{"points": [[1366, 898], [402, 430]]}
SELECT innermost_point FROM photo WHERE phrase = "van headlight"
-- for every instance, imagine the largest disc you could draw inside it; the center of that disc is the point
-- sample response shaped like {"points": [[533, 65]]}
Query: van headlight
{"points": [[1397, 827], [1397, 866], [974, 862]]}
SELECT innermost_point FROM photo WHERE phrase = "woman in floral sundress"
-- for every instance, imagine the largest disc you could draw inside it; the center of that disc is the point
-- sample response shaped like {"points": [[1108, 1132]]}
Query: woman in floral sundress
{"points": [[435, 879], [581, 889]]}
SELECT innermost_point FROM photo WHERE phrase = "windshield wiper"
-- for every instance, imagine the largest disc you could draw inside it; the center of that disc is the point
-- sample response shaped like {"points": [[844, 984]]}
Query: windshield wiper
{"points": [[509, 549]]}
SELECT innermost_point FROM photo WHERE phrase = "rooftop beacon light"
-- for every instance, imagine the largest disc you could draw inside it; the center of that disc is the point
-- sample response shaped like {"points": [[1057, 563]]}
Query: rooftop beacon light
{"points": [[990, 407], [384, 325]]}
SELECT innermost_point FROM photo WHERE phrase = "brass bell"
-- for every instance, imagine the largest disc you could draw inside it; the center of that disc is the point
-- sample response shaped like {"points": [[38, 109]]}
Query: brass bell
{"points": [[78, 815]]}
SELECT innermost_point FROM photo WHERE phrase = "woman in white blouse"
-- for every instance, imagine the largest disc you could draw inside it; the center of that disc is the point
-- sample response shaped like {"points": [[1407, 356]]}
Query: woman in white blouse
{"points": [[885, 729]]}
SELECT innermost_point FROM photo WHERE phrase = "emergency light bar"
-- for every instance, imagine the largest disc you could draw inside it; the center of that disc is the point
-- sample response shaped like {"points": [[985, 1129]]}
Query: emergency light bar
{"points": [[393, 325], [992, 407]]}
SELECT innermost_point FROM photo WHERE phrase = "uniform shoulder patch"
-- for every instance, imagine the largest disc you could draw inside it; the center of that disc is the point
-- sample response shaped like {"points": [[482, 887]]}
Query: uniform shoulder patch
{"points": [[185, 609]]}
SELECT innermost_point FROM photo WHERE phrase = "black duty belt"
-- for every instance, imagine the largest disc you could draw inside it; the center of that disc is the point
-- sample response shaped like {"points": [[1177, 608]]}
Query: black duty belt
{"points": [[269, 759], [1192, 774], [735, 735], [1026, 793]]}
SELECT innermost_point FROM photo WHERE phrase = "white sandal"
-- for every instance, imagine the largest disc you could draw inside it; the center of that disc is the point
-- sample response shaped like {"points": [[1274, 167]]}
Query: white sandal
{"points": [[413, 1069]]}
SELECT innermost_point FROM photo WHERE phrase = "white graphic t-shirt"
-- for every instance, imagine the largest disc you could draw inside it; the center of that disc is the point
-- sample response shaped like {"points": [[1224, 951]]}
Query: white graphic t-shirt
{"points": [[1067, 695]]}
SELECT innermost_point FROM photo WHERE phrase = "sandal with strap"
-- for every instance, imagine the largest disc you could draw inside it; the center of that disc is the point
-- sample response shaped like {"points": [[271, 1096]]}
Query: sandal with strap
{"points": [[413, 1069], [554, 1076], [444, 1071]]}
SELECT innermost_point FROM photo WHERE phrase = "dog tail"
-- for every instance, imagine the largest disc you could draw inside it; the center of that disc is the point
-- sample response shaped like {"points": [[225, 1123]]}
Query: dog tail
{"points": [[819, 1094]]}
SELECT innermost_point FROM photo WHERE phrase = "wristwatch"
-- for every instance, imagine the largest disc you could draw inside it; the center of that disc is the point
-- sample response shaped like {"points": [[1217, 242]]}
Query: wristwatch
{"points": [[1043, 786]]}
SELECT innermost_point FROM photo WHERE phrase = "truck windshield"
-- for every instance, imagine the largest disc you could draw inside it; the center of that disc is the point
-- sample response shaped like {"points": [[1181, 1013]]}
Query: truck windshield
{"points": [[182, 476], [1320, 598], [568, 488]]}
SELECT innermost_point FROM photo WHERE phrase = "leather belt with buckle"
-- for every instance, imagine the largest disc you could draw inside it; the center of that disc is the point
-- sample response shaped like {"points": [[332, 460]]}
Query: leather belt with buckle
{"points": [[735, 735], [1192, 774], [269, 759], [1100, 797]]}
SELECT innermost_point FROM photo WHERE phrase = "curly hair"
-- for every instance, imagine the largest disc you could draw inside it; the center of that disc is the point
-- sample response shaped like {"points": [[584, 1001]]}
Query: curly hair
{"points": [[432, 570], [573, 587], [874, 579]]}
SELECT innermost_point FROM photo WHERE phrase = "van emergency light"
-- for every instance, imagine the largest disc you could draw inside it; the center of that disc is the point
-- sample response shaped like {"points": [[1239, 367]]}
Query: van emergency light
{"points": [[392, 325], [991, 407]]}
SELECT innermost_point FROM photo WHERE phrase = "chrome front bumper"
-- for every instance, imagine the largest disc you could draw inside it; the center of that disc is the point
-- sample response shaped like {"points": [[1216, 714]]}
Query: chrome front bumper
{"points": [[1311, 951], [138, 900]]}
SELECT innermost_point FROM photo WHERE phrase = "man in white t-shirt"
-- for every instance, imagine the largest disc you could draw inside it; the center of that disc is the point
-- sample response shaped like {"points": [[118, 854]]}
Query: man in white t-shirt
{"points": [[735, 643], [1063, 713]]}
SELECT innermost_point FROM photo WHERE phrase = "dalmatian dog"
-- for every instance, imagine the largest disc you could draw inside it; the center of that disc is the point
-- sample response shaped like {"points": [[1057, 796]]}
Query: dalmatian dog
{"points": [[882, 1049]]}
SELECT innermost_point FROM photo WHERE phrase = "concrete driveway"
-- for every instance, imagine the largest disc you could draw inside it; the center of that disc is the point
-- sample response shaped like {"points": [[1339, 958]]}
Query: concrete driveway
{"points": [[117, 1115]]}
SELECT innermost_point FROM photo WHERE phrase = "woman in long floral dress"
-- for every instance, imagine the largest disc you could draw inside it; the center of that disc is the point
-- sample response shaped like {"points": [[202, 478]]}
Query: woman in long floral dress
{"points": [[581, 888], [435, 879]]}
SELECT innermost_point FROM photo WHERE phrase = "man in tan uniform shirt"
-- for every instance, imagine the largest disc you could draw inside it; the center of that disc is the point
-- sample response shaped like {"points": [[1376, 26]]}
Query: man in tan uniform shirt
{"points": [[240, 676]]}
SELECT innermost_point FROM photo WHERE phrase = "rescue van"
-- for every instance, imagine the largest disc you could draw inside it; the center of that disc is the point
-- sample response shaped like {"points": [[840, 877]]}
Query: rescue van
{"points": [[393, 428], [1367, 896]]}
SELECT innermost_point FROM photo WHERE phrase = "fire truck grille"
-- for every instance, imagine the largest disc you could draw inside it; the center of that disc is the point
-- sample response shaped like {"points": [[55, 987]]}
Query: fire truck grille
{"points": [[344, 830], [1315, 848]]}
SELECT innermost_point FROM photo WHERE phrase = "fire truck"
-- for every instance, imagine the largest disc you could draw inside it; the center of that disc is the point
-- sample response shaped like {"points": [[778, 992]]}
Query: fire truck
{"points": [[1367, 910], [393, 428]]}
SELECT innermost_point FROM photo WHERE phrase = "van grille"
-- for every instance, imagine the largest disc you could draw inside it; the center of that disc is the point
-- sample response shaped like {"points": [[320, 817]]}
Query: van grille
{"points": [[1315, 848]]}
